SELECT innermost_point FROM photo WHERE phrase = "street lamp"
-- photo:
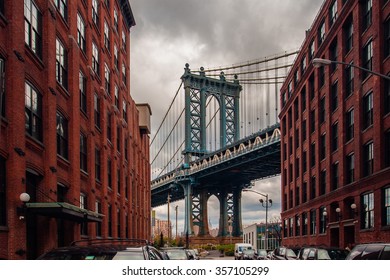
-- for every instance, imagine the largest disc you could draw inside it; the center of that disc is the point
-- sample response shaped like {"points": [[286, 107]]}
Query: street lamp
{"points": [[266, 204], [318, 62]]}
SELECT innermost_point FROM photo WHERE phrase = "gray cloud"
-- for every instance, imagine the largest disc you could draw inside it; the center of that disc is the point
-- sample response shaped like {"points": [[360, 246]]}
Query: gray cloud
{"points": [[170, 33]]}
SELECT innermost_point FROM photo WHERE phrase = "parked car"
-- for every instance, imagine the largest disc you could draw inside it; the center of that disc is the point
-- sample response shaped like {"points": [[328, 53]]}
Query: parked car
{"points": [[177, 253], [247, 254], [261, 254], [283, 253], [105, 249], [239, 248], [373, 251], [194, 254], [322, 253]]}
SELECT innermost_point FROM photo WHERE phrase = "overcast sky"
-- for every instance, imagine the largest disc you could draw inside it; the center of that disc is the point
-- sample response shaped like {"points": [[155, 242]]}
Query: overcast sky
{"points": [[170, 33]]}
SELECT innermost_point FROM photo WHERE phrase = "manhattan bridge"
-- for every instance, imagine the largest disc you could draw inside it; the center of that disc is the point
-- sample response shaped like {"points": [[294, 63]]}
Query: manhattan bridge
{"points": [[219, 135]]}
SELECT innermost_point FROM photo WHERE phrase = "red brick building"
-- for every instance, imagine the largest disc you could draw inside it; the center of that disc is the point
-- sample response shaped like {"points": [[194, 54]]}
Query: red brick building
{"points": [[71, 136], [335, 123]]}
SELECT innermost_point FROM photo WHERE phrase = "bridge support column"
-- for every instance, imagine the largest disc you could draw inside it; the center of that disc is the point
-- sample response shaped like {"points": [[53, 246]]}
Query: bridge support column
{"points": [[204, 225], [223, 215], [237, 218], [188, 210]]}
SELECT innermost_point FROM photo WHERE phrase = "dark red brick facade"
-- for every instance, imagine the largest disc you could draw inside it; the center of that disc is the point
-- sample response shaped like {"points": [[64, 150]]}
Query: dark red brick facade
{"points": [[30, 159], [321, 150]]}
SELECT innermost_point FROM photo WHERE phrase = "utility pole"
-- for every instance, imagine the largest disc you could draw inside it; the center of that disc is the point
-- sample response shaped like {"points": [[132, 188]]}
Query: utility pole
{"points": [[176, 218], [169, 222]]}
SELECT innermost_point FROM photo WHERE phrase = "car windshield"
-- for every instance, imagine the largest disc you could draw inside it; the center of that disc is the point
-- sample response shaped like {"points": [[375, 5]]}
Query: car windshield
{"points": [[323, 254], [262, 252], [126, 255], [290, 253], [176, 254]]}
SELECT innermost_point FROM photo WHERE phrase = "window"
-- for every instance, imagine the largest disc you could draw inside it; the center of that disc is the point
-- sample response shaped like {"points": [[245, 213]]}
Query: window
{"points": [[109, 220], [126, 144], [109, 132], [97, 165], [124, 78], [118, 138], [321, 33], [348, 35], [350, 120], [297, 198], [322, 110], [115, 20], [81, 33], [349, 77], [83, 205], [311, 87], [368, 159], [107, 3], [386, 206], [304, 130], [3, 193], [332, 13], [124, 108], [95, 58], [334, 96], [62, 7], [335, 136], [83, 92], [304, 192], [304, 220], [366, 14], [313, 187], [109, 174], [367, 208], [333, 55], [367, 59], [323, 182], [387, 148], [296, 77], [311, 50], [123, 40], [303, 99], [83, 153], [386, 37], [116, 60], [97, 110], [106, 36], [296, 138], [2, 87], [321, 77], [62, 135], [118, 181], [118, 222], [312, 121], [304, 162], [98, 209], [61, 64], [116, 96], [291, 227], [2, 6], [368, 110], [386, 92], [312, 154], [33, 112], [313, 222], [107, 78], [296, 109], [323, 146], [303, 65], [323, 220], [350, 176], [335, 176], [33, 27], [95, 12]]}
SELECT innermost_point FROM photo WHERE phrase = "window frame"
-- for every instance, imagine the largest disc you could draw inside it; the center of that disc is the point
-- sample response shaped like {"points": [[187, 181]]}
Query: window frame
{"points": [[62, 135], [368, 158], [367, 210], [368, 110], [61, 64], [33, 38], [83, 92], [35, 115], [81, 41], [83, 152]]}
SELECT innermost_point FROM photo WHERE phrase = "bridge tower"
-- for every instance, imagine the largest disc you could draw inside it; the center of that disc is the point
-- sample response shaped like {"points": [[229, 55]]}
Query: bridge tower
{"points": [[198, 88]]}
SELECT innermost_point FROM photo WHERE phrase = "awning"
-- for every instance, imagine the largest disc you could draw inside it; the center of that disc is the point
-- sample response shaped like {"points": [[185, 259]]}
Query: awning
{"points": [[64, 211]]}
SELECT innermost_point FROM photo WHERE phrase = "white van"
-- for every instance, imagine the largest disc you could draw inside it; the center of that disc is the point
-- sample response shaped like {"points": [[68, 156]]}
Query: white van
{"points": [[239, 247]]}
